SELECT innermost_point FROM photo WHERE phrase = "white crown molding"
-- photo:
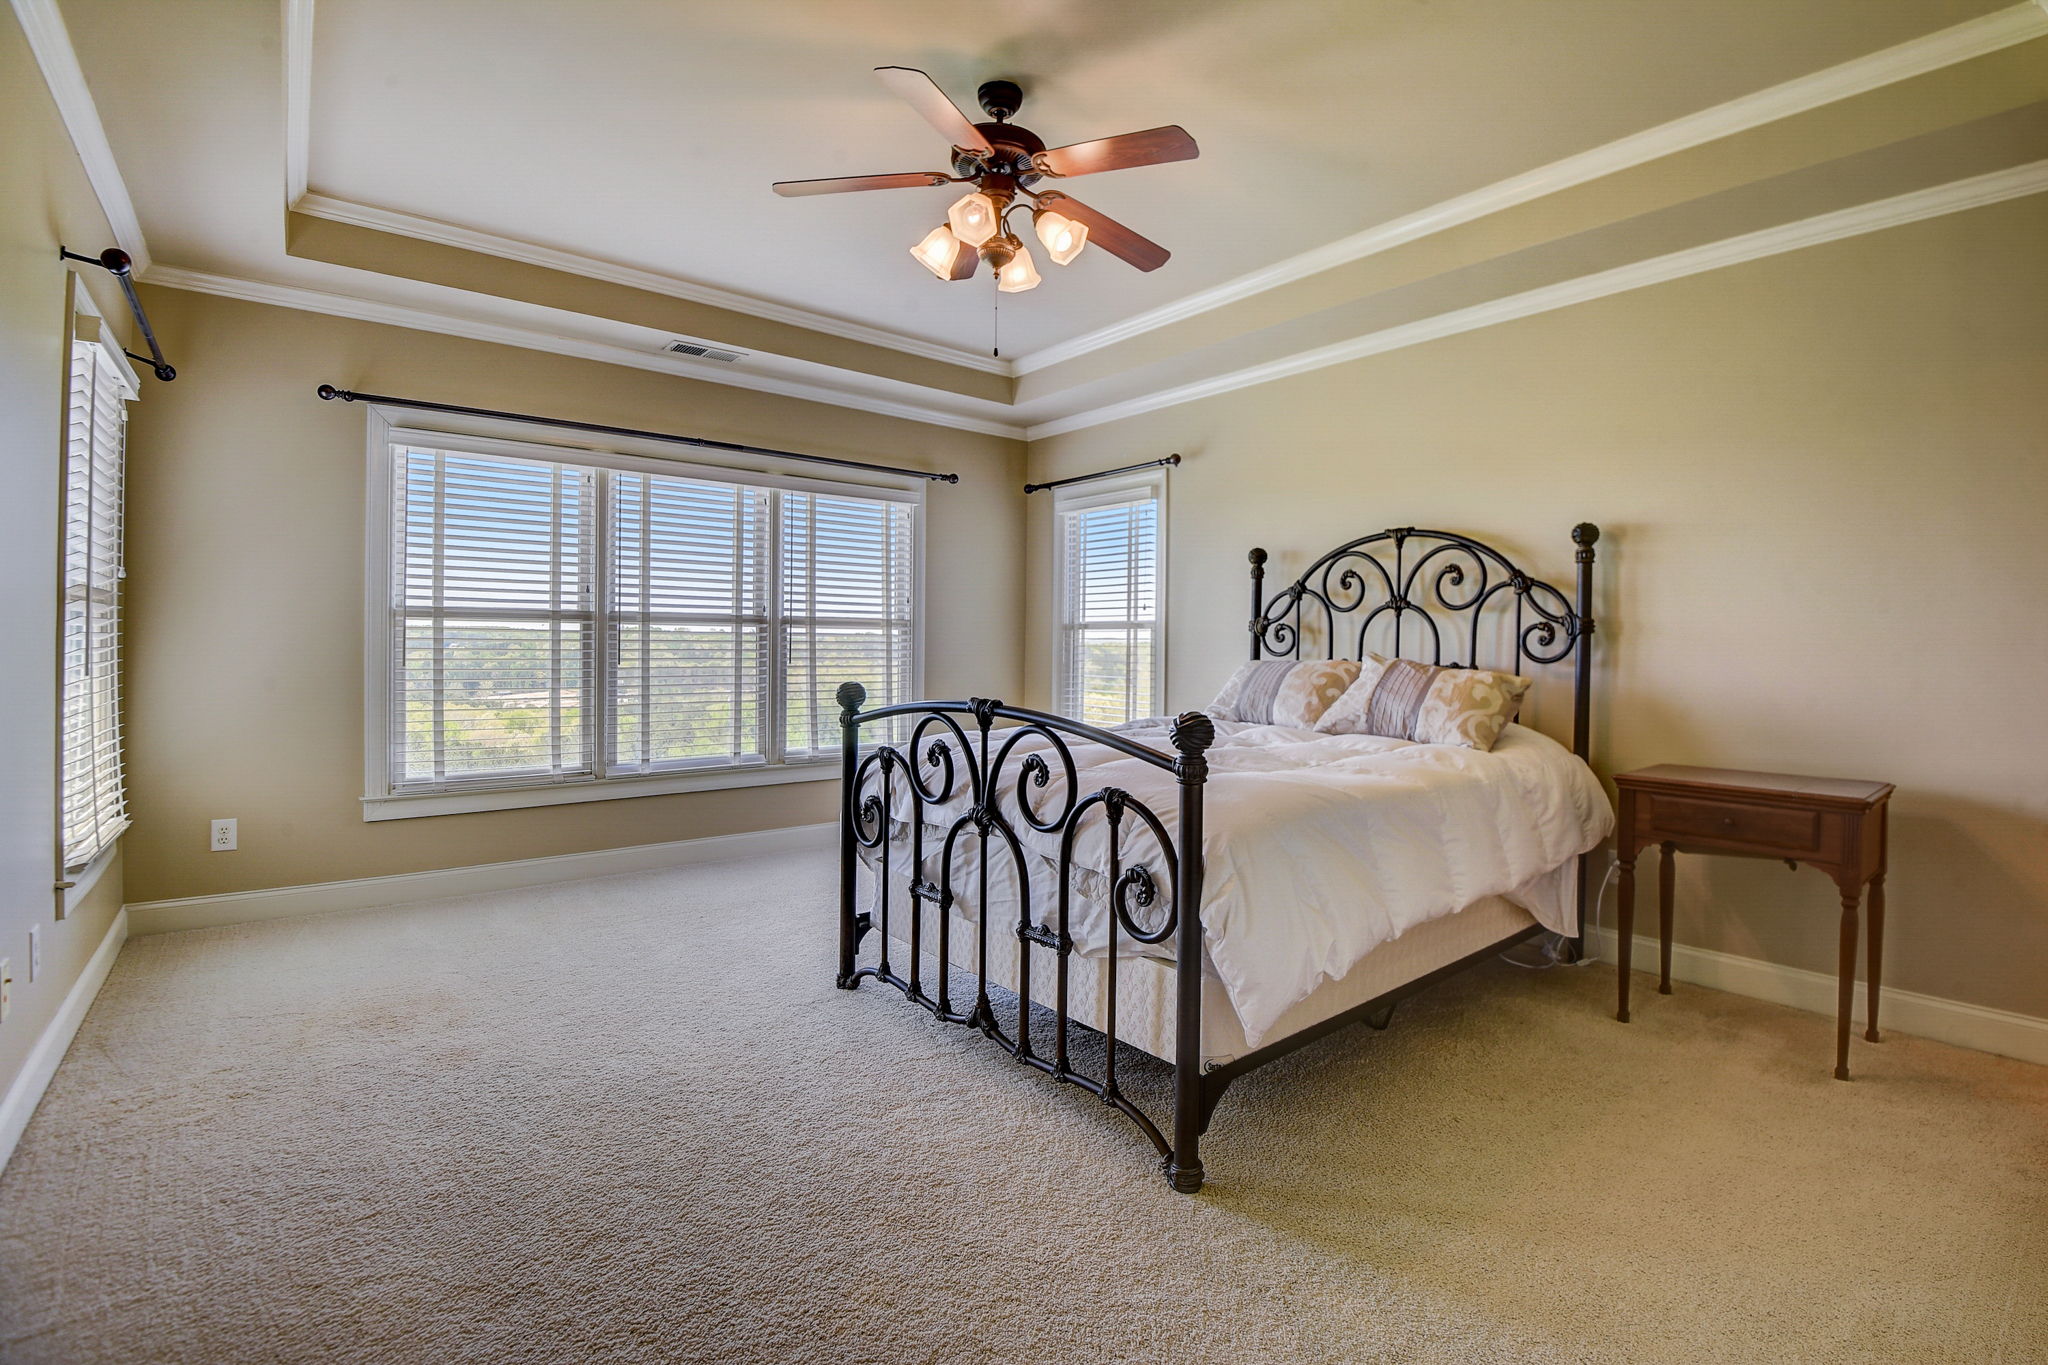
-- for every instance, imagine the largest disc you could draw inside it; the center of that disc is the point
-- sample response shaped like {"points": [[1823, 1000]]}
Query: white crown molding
{"points": [[1974, 38], [406, 888], [532, 339], [50, 42], [1955, 197], [490, 244], [298, 96]]}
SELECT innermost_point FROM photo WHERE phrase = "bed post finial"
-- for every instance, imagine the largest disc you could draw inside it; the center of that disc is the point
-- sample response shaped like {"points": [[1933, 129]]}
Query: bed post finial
{"points": [[1258, 559], [1192, 734], [850, 696]]}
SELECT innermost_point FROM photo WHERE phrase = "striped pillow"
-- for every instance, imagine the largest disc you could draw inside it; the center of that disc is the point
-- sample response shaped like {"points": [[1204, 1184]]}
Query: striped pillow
{"points": [[1290, 692], [1402, 699]]}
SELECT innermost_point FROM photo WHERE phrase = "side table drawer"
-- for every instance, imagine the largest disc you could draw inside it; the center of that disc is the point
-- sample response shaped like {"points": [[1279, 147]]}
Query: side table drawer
{"points": [[1797, 832]]}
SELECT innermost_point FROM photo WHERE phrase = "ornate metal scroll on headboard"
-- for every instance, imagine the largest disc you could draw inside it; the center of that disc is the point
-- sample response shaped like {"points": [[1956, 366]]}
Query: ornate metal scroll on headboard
{"points": [[1434, 596]]}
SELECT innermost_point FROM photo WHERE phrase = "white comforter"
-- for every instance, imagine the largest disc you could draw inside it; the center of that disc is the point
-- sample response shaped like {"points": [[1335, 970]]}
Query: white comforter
{"points": [[1319, 848]]}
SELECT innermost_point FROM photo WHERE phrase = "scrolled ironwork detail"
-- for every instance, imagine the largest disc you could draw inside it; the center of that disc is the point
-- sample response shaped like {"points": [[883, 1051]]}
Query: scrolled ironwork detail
{"points": [[1399, 582], [1035, 772], [1136, 889]]}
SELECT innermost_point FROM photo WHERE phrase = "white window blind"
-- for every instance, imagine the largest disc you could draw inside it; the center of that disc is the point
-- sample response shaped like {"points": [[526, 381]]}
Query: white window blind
{"points": [[689, 629], [1109, 557], [494, 589], [848, 577], [93, 807], [561, 622]]}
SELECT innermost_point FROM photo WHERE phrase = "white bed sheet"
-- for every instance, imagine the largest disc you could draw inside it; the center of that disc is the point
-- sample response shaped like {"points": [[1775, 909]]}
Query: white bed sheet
{"points": [[1318, 848]]}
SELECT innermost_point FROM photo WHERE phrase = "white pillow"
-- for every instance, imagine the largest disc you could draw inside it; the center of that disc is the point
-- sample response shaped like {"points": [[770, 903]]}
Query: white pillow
{"points": [[1292, 692], [1402, 699]]}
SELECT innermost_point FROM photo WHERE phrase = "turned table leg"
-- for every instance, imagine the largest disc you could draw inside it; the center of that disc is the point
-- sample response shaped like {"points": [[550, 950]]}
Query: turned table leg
{"points": [[1625, 934], [1846, 992], [1665, 874], [1876, 968]]}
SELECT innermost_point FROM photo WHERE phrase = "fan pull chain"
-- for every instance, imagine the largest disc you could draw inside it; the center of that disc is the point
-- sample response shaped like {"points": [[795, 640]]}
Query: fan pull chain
{"points": [[995, 336]]}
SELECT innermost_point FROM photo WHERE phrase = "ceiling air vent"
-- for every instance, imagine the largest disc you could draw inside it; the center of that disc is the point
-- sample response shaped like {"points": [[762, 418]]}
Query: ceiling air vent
{"points": [[702, 352]]}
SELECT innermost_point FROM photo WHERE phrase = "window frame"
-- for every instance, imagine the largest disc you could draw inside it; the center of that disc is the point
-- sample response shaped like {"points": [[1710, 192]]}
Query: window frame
{"points": [[388, 427], [1081, 498], [75, 880]]}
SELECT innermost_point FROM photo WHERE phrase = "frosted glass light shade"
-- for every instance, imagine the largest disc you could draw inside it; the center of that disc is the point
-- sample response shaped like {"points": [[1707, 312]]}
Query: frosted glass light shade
{"points": [[945, 255], [1018, 273], [1062, 237], [975, 218]]}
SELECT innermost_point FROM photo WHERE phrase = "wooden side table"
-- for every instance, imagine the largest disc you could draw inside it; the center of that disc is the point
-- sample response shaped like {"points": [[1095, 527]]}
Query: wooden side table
{"points": [[1838, 826]]}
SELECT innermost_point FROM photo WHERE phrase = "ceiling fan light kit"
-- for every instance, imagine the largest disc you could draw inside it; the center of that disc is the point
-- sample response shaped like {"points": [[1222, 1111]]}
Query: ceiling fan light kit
{"points": [[1002, 161]]}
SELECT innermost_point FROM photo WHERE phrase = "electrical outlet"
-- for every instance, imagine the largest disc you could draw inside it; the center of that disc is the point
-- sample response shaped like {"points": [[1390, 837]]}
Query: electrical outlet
{"points": [[35, 951], [6, 988], [223, 836]]}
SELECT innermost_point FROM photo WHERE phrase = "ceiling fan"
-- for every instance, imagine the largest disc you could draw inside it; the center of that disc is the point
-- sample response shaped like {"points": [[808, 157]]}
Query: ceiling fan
{"points": [[1003, 161]]}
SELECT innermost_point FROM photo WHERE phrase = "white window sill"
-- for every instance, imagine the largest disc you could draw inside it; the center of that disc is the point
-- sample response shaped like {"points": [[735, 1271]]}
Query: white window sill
{"points": [[413, 807], [88, 876]]}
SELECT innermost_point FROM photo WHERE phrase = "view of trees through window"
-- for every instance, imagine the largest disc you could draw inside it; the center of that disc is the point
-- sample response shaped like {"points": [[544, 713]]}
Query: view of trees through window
{"points": [[713, 634], [1110, 620]]}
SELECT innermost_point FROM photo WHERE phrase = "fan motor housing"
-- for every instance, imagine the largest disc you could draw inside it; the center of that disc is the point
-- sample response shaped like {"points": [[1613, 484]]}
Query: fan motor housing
{"points": [[1013, 149]]}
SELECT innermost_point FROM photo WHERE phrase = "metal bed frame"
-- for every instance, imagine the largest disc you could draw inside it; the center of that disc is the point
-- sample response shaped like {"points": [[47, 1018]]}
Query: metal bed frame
{"points": [[1336, 601]]}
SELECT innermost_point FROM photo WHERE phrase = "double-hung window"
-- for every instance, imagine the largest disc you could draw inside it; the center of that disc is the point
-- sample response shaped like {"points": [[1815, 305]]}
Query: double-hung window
{"points": [[1110, 560], [557, 625], [92, 806]]}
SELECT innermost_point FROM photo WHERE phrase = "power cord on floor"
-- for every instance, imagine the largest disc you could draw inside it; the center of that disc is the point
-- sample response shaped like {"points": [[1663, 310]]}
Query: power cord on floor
{"points": [[1553, 944]]}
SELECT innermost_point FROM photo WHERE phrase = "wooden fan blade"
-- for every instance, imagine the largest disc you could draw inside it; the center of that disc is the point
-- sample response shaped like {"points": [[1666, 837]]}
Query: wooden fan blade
{"points": [[797, 189], [1107, 233], [922, 93], [1148, 148]]}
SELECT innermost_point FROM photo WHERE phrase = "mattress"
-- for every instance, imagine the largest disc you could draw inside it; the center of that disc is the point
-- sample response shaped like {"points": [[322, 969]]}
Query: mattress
{"points": [[1145, 987]]}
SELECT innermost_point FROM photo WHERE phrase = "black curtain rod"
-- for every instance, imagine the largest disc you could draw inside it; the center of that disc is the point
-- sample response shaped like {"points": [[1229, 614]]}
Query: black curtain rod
{"points": [[328, 392], [116, 263], [1104, 474]]}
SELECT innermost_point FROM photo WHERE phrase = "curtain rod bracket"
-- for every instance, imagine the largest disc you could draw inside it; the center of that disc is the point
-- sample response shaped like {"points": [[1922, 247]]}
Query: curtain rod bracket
{"points": [[117, 263], [328, 393], [1170, 461]]}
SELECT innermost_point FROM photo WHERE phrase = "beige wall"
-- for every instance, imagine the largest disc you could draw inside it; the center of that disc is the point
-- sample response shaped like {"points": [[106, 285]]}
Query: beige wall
{"points": [[245, 544], [1823, 479], [44, 202]]}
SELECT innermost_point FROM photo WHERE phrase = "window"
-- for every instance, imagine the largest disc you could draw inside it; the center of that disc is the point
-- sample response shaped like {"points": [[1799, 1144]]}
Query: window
{"points": [[93, 808], [1110, 560], [573, 626]]}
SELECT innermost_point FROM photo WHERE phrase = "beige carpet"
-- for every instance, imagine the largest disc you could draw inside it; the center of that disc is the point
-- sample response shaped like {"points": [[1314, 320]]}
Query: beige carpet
{"points": [[631, 1120]]}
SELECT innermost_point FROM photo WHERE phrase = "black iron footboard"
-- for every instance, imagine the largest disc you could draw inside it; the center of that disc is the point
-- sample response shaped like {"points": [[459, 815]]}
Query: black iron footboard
{"points": [[947, 758]]}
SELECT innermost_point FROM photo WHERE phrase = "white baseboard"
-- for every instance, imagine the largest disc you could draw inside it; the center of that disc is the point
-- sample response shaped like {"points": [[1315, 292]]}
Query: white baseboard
{"points": [[27, 1091], [241, 907], [1928, 1016]]}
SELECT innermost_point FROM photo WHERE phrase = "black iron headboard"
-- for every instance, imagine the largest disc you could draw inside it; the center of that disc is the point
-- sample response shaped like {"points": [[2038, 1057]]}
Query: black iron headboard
{"points": [[1404, 572]]}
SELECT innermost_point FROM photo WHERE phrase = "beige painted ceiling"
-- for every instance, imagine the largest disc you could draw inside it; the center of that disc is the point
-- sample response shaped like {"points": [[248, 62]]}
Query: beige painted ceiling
{"points": [[646, 132]]}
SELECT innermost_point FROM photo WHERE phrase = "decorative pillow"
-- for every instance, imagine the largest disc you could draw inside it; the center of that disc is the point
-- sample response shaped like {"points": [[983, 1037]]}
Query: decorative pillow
{"points": [[1292, 692], [1402, 699]]}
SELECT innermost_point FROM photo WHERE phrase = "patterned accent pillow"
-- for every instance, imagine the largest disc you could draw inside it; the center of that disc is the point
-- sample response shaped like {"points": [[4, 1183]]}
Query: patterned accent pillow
{"points": [[1402, 699], [1292, 692]]}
